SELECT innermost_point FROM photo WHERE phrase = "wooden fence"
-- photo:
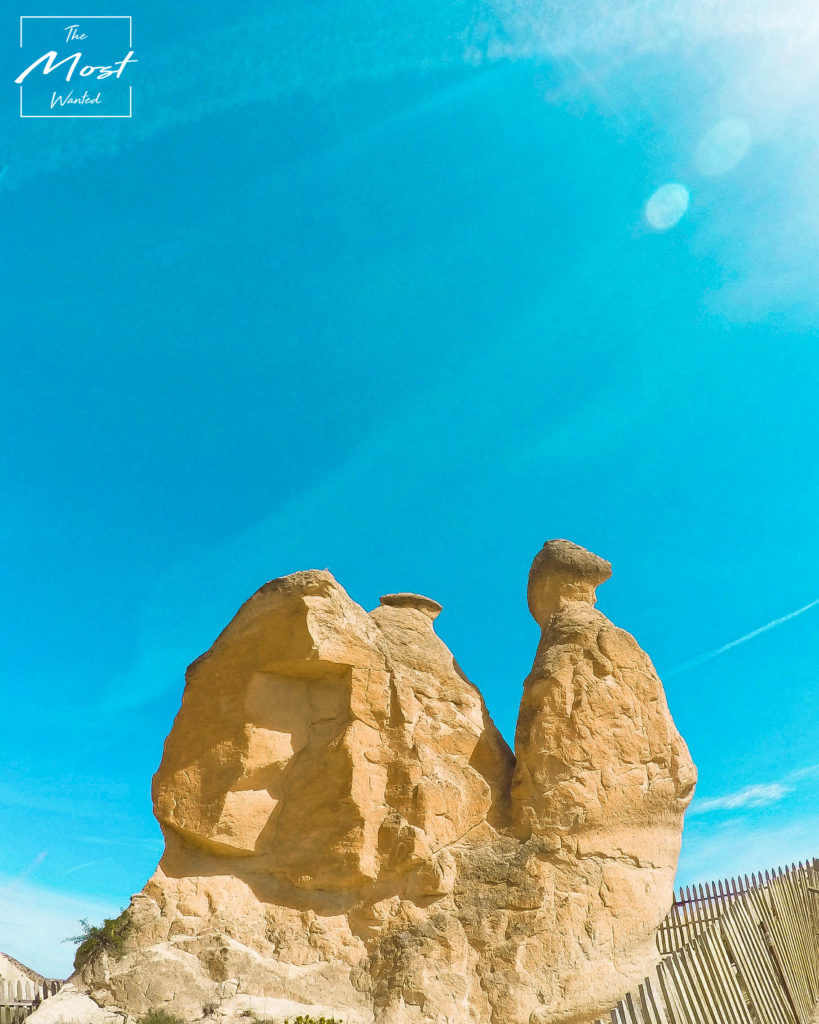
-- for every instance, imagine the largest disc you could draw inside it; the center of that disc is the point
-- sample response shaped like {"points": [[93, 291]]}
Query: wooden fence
{"points": [[697, 906], [740, 952], [20, 998]]}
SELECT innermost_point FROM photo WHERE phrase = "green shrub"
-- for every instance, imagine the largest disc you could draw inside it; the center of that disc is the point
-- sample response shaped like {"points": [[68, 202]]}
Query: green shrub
{"points": [[159, 1016], [109, 937], [301, 1020], [314, 1020]]}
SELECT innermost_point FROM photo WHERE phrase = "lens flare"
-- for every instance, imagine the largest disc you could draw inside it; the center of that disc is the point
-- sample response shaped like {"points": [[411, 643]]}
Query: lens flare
{"points": [[667, 205], [723, 146]]}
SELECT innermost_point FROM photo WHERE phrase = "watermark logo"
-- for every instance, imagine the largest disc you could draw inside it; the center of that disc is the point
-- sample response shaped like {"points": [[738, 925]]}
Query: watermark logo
{"points": [[76, 66]]}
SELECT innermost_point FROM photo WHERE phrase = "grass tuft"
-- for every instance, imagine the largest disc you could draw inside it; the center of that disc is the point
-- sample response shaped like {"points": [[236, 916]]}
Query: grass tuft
{"points": [[160, 1016], [313, 1020], [297, 1020]]}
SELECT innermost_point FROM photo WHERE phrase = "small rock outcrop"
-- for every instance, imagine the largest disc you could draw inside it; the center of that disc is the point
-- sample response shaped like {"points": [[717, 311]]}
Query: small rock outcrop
{"points": [[348, 833]]}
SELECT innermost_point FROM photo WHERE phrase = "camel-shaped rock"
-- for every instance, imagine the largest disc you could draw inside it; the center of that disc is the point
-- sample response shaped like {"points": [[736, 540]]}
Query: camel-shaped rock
{"points": [[348, 833]]}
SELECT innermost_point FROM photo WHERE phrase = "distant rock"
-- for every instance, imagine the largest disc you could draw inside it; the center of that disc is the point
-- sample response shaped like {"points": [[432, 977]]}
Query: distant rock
{"points": [[347, 832]]}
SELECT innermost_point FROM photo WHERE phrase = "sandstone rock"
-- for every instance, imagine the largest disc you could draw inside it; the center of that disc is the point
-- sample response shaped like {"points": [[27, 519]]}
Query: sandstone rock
{"points": [[70, 1005], [346, 828]]}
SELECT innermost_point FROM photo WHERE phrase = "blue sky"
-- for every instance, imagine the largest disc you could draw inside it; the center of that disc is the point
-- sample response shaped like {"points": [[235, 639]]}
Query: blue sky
{"points": [[381, 289]]}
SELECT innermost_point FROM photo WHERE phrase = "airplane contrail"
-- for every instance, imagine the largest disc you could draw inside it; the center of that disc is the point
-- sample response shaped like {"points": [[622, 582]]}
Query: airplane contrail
{"points": [[702, 658], [27, 870]]}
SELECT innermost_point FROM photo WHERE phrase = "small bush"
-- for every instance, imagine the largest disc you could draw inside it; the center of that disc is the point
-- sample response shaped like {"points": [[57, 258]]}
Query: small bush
{"points": [[314, 1020], [301, 1020], [159, 1016], [209, 1009], [109, 937]]}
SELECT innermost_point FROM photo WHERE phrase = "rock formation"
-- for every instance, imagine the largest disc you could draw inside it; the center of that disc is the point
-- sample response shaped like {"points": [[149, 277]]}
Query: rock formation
{"points": [[347, 832]]}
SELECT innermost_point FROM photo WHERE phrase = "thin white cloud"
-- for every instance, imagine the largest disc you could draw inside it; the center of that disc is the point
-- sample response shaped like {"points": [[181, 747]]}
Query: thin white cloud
{"points": [[709, 655], [750, 796], [760, 794], [29, 869], [738, 847], [83, 867]]}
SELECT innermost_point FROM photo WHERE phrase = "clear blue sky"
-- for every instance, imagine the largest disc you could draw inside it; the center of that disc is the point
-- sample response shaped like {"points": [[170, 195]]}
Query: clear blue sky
{"points": [[383, 288]]}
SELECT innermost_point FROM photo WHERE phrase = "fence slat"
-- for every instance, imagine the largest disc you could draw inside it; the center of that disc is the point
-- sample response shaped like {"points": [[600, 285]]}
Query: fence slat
{"points": [[758, 970]]}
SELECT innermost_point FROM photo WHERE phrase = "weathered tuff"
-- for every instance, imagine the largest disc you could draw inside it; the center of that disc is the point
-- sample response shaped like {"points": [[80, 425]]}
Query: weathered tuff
{"points": [[347, 831]]}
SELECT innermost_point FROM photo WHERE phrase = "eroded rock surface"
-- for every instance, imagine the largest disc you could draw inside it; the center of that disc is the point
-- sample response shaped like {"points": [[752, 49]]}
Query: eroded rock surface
{"points": [[347, 832]]}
